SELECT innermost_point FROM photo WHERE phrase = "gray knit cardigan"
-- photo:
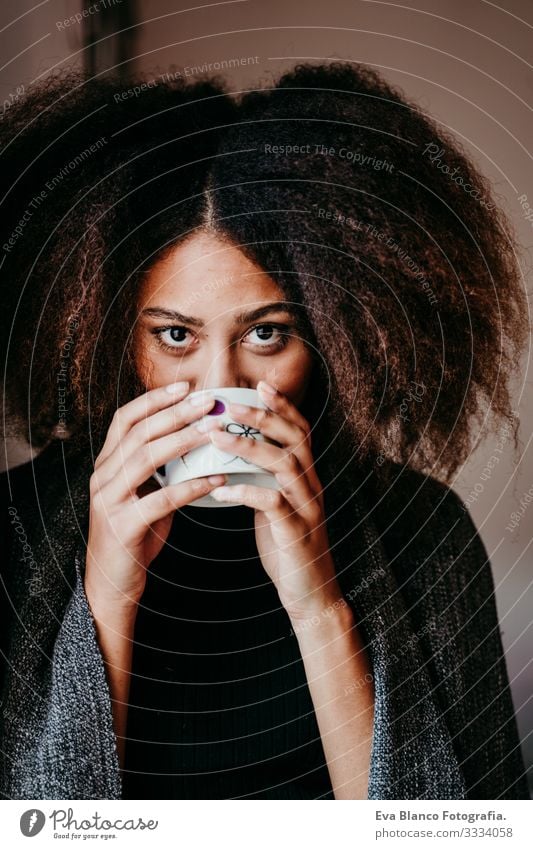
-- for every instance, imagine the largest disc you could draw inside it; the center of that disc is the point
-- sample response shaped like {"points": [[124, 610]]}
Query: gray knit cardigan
{"points": [[419, 583]]}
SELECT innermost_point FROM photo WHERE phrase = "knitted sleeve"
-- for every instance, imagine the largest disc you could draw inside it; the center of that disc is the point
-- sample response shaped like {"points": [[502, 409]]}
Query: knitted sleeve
{"points": [[56, 727], [481, 712], [447, 579]]}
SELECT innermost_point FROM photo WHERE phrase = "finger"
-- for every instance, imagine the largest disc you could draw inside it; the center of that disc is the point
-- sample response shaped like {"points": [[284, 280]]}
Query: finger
{"points": [[269, 457], [139, 466], [171, 419], [139, 408], [288, 434], [279, 403], [283, 464], [159, 504], [303, 500], [269, 501], [270, 424]]}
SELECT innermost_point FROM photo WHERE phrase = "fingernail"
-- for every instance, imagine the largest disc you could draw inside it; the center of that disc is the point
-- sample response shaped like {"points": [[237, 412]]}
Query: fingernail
{"points": [[181, 386], [200, 400], [206, 425], [217, 479], [240, 408], [266, 387]]}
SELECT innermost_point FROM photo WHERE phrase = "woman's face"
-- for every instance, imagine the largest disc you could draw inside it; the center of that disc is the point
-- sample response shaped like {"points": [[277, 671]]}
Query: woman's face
{"points": [[209, 315]]}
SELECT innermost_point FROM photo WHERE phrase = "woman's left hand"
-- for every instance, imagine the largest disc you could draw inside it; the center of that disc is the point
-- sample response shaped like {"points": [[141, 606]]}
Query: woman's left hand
{"points": [[290, 524]]}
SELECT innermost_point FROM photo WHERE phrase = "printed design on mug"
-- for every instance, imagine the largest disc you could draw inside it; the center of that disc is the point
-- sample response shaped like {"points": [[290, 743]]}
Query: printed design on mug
{"points": [[240, 429]]}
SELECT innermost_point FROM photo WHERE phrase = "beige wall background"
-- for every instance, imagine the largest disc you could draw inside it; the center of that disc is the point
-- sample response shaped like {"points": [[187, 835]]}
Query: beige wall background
{"points": [[467, 63]]}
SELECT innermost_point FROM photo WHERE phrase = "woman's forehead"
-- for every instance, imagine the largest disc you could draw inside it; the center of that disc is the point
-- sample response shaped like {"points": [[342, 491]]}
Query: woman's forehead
{"points": [[204, 274]]}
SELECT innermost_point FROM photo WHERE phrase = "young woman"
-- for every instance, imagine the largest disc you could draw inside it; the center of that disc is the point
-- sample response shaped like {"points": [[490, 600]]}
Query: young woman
{"points": [[327, 244]]}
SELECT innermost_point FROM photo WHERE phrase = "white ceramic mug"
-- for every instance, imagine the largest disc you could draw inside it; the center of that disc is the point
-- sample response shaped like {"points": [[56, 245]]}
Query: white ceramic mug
{"points": [[209, 460]]}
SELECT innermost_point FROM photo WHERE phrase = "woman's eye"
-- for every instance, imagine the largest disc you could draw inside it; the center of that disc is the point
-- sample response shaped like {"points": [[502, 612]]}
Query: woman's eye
{"points": [[172, 337], [268, 335]]}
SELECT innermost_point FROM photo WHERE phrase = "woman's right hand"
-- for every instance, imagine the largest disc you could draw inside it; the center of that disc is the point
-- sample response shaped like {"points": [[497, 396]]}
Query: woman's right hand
{"points": [[131, 516]]}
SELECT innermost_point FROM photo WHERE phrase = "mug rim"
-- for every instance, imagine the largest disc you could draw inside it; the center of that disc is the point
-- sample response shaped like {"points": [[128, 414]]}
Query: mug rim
{"points": [[222, 389]]}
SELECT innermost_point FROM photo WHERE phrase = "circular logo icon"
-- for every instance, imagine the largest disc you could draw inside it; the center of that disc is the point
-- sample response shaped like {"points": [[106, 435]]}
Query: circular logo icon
{"points": [[31, 822]]}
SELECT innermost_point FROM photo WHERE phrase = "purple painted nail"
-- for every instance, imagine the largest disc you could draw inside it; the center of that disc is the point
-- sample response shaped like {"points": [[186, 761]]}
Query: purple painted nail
{"points": [[218, 408]]}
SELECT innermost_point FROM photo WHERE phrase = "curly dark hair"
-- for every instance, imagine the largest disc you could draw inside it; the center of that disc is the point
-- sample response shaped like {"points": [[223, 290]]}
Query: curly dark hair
{"points": [[361, 207]]}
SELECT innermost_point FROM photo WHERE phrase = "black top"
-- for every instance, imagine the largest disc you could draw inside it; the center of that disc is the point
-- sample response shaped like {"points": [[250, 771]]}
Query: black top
{"points": [[219, 702]]}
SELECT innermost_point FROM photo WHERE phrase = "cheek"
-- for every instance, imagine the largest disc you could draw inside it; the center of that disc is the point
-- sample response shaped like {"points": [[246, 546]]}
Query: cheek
{"points": [[292, 375]]}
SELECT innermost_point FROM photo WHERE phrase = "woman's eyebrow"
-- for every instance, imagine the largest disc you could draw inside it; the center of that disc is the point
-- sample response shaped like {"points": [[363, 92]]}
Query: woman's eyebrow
{"points": [[242, 318]]}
